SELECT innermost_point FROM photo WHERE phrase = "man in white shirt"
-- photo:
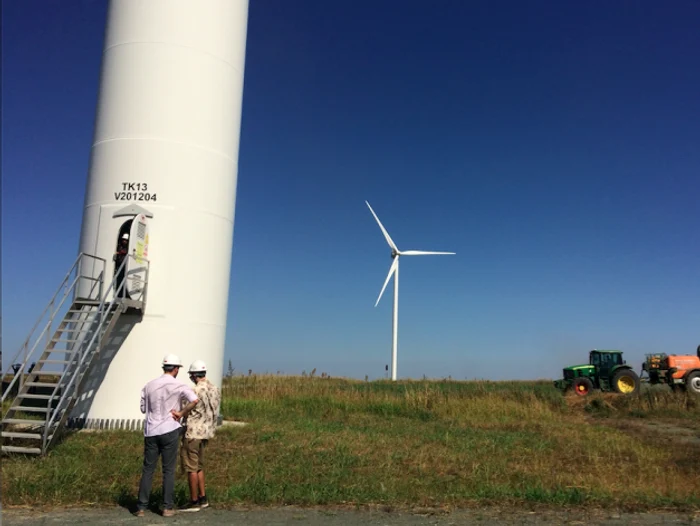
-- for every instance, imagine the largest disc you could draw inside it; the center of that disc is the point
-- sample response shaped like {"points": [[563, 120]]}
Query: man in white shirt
{"points": [[160, 401]]}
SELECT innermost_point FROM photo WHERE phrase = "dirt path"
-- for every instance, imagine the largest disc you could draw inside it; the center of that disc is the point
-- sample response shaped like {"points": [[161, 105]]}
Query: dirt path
{"points": [[681, 433], [335, 517]]}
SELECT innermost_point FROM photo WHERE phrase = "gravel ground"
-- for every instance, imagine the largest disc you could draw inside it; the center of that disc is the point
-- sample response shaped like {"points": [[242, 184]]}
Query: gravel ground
{"points": [[340, 517]]}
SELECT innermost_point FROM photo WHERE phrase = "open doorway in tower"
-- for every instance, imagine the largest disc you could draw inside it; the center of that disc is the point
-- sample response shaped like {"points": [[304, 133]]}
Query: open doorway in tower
{"points": [[132, 251], [120, 255]]}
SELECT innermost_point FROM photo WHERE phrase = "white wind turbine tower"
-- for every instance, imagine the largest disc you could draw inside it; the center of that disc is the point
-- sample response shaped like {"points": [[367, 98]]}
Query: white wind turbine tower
{"points": [[394, 269]]}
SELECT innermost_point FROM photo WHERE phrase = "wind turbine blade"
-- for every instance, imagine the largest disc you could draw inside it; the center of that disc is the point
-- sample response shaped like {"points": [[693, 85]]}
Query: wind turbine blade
{"points": [[386, 234], [392, 269], [424, 253]]}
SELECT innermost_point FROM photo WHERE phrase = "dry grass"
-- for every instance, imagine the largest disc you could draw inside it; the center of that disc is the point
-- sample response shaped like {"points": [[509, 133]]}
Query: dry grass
{"points": [[317, 441]]}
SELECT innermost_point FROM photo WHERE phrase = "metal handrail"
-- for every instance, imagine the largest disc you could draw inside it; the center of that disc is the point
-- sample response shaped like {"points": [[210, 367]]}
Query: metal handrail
{"points": [[86, 351], [77, 362], [48, 305], [53, 299], [20, 373], [53, 310], [98, 281]]}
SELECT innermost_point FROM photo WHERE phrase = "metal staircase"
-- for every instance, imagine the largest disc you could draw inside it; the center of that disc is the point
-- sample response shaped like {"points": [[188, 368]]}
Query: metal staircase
{"points": [[47, 389]]}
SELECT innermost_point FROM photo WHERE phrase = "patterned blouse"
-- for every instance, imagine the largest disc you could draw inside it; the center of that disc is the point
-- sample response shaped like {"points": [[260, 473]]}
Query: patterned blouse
{"points": [[201, 422]]}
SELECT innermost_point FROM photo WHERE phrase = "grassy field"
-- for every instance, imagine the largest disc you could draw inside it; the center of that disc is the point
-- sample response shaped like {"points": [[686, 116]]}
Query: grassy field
{"points": [[321, 441]]}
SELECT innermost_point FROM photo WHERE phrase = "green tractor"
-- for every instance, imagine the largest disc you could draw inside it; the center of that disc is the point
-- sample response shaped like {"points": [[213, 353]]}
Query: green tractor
{"points": [[606, 370]]}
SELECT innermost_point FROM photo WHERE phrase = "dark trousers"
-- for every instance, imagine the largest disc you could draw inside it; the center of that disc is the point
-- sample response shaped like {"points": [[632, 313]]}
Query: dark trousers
{"points": [[153, 447]]}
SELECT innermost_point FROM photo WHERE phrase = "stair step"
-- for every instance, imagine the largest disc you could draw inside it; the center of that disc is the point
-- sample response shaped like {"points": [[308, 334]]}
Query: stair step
{"points": [[85, 301], [36, 396], [24, 421], [54, 361], [19, 449], [29, 409], [25, 409], [15, 434], [40, 384]]}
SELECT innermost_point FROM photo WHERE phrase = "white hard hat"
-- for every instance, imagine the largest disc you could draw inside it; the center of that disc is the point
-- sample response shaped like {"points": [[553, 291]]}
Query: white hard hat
{"points": [[124, 236], [198, 366], [171, 359]]}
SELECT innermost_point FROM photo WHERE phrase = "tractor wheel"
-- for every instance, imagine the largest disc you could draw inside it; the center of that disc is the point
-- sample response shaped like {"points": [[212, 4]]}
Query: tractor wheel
{"points": [[582, 386], [692, 383], [626, 382]]}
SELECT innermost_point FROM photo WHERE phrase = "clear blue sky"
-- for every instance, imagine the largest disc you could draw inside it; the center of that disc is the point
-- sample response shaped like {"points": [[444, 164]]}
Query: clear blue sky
{"points": [[552, 145]]}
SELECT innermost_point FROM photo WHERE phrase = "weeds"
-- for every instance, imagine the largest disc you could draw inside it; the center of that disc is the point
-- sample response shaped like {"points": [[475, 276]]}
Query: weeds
{"points": [[314, 440], [649, 403]]}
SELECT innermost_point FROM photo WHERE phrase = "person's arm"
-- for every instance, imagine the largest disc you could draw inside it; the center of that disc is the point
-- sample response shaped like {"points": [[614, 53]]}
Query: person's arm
{"points": [[217, 401], [143, 401], [177, 415], [192, 397]]}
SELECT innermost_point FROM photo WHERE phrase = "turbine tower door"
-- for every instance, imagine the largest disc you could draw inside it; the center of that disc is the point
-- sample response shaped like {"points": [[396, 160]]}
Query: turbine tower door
{"points": [[137, 265]]}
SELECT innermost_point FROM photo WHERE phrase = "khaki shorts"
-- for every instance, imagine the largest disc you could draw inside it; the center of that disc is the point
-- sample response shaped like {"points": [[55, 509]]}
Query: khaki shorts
{"points": [[192, 454]]}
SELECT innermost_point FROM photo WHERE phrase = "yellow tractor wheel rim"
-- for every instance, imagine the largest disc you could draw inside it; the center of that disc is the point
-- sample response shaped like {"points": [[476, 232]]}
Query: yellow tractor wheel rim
{"points": [[625, 384]]}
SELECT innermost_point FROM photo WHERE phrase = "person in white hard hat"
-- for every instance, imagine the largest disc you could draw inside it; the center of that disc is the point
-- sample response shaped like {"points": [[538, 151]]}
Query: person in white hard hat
{"points": [[200, 426], [160, 402]]}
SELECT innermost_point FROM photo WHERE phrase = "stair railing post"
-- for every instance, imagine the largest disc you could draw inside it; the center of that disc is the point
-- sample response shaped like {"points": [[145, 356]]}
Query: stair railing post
{"points": [[80, 276], [100, 285], [49, 333], [45, 433], [75, 387], [20, 371]]}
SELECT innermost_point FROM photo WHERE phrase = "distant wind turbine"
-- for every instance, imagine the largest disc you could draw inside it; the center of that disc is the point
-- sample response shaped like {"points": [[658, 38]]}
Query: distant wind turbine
{"points": [[394, 269]]}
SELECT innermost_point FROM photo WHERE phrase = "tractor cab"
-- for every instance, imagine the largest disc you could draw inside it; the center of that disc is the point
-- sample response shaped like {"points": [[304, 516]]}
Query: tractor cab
{"points": [[605, 361]]}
